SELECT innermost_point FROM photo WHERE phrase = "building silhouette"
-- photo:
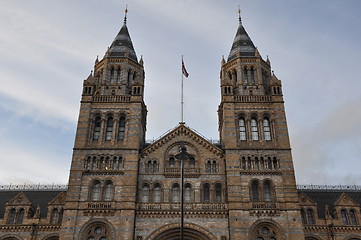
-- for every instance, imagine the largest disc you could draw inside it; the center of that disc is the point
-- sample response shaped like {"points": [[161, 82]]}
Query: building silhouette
{"points": [[123, 187]]}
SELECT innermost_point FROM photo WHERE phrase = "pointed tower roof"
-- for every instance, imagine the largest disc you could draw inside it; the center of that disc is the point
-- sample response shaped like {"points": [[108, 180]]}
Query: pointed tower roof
{"points": [[122, 45], [242, 44]]}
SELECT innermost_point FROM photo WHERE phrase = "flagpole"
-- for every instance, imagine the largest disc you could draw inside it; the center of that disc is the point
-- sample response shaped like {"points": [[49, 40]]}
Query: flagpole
{"points": [[182, 103]]}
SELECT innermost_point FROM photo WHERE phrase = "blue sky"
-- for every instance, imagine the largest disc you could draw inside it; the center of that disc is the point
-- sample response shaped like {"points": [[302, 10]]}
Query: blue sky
{"points": [[48, 48]]}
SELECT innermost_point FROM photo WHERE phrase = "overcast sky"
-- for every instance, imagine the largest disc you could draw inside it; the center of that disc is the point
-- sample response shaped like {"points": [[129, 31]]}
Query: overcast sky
{"points": [[48, 48]]}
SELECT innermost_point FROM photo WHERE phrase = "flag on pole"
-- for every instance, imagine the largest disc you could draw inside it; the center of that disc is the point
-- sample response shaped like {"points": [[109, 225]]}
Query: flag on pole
{"points": [[184, 71]]}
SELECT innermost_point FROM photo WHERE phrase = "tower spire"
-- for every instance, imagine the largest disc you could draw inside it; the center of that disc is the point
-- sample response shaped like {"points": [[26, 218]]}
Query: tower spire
{"points": [[239, 15], [125, 14]]}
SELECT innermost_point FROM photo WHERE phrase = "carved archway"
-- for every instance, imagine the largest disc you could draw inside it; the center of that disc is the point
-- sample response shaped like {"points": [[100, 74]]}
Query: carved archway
{"points": [[172, 232]]}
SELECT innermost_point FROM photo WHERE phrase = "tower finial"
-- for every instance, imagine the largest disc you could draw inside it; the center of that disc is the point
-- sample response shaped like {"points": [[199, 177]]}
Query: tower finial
{"points": [[125, 15], [239, 15]]}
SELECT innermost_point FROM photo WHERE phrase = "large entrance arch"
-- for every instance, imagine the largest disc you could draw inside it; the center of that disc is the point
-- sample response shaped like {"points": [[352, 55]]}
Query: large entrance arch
{"points": [[172, 232]]}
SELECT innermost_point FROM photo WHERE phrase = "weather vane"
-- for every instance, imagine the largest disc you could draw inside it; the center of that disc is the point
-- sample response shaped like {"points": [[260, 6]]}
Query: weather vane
{"points": [[126, 11]]}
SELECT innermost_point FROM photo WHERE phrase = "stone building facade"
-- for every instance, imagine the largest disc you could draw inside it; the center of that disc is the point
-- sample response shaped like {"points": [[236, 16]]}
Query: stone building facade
{"points": [[121, 187]]}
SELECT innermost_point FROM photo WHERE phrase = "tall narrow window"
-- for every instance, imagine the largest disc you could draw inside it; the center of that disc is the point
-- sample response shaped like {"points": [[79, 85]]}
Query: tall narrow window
{"points": [[303, 216], [254, 129], [145, 193], [12, 215], [267, 129], [149, 167], [243, 163], [112, 74], [154, 166], [208, 166], [95, 191], [255, 191], [187, 192], [218, 192], [344, 217], [121, 129], [245, 75], [353, 217], [109, 130], [171, 162], [94, 163], [120, 162], [157, 193], [108, 191], [206, 193], [20, 216], [310, 217], [267, 191], [60, 218], [118, 74], [214, 167], [242, 129], [54, 216], [175, 192], [192, 162], [269, 163], [97, 125], [252, 75]]}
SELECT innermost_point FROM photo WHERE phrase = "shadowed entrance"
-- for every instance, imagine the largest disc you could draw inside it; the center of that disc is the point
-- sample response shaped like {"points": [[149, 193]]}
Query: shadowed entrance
{"points": [[174, 234]]}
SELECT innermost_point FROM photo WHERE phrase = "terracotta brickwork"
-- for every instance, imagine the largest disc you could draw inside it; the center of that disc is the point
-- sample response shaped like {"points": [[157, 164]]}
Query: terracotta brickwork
{"points": [[121, 187]]}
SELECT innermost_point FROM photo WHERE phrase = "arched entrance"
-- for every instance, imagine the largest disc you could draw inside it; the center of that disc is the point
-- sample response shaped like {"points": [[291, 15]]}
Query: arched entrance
{"points": [[172, 232]]}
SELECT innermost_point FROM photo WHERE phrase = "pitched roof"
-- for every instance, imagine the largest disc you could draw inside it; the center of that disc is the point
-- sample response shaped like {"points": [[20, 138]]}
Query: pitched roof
{"points": [[122, 45], [37, 198], [329, 197], [242, 44]]}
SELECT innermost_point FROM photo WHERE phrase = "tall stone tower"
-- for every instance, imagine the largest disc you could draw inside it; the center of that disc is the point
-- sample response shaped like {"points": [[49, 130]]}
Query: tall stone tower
{"points": [[262, 194], [110, 132]]}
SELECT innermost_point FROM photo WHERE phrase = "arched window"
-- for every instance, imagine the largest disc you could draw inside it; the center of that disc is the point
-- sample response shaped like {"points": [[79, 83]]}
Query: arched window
{"points": [[20, 216], [303, 216], [175, 192], [265, 232], [275, 163], [145, 193], [154, 166], [206, 193], [353, 217], [252, 75], [245, 75], [269, 163], [255, 191], [149, 166], [208, 166], [94, 163], [192, 162], [187, 192], [97, 125], [157, 193], [12, 215], [95, 191], [256, 163], [108, 191], [109, 130], [111, 73], [214, 167], [267, 129], [120, 162], [54, 216], [118, 74], [171, 162], [96, 232], [344, 217], [129, 77], [267, 191], [254, 129], [244, 163], [61, 213], [218, 192], [310, 216], [242, 129], [121, 129]]}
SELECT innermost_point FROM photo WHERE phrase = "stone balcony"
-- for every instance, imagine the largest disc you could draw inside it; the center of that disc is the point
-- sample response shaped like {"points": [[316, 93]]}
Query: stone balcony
{"points": [[187, 206]]}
